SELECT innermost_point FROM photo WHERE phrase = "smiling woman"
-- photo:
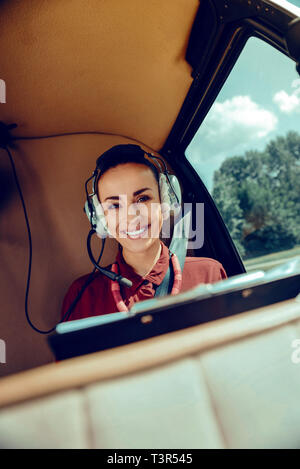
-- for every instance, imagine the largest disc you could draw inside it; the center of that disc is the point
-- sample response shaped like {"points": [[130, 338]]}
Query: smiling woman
{"points": [[134, 216], [132, 201]]}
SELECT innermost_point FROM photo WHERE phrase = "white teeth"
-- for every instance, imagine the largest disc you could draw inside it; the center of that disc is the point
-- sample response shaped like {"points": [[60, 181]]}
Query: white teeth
{"points": [[135, 233]]}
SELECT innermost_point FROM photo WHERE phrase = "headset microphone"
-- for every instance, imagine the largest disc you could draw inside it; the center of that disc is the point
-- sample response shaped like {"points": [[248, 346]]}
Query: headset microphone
{"points": [[113, 276]]}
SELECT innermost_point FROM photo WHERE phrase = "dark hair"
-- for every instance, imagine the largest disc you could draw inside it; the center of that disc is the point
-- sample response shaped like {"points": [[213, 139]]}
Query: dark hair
{"points": [[122, 154]]}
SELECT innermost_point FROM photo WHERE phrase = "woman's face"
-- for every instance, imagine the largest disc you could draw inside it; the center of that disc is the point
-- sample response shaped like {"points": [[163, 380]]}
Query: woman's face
{"points": [[129, 196]]}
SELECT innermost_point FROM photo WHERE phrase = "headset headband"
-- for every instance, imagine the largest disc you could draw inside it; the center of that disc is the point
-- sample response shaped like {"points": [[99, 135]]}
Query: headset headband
{"points": [[130, 150]]}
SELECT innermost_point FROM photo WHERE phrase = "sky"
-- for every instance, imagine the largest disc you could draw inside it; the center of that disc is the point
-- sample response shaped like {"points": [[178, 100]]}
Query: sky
{"points": [[259, 101], [295, 2]]}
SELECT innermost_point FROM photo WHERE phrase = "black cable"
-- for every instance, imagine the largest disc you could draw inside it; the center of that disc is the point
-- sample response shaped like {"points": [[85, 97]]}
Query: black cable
{"points": [[111, 275], [6, 139], [66, 134], [89, 280]]}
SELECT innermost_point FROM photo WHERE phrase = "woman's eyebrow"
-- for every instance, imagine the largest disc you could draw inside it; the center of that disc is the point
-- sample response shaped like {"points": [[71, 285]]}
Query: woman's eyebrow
{"points": [[142, 190], [116, 197]]}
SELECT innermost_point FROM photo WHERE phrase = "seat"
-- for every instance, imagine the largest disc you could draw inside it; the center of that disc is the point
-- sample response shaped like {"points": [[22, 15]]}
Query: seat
{"points": [[230, 383]]}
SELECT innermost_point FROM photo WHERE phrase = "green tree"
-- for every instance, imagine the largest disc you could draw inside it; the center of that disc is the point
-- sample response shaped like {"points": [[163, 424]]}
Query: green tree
{"points": [[258, 195]]}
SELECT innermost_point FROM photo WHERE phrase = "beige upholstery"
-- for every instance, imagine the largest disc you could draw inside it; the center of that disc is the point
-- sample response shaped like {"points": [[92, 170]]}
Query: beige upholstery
{"points": [[114, 71], [225, 384]]}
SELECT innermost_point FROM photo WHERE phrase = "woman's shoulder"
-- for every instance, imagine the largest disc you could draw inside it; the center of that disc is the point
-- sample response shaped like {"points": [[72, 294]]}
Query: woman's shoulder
{"points": [[202, 261], [204, 269]]}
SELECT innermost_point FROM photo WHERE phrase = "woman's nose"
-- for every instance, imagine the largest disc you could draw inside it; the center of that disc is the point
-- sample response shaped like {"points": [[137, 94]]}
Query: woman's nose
{"points": [[133, 213]]}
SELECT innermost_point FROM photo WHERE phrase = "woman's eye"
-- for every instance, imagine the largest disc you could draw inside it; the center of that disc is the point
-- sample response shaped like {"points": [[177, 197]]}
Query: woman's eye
{"points": [[144, 198], [113, 206]]}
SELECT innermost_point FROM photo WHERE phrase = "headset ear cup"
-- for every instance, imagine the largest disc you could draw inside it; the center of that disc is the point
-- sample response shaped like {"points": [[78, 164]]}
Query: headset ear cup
{"points": [[101, 225], [164, 196], [170, 201], [95, 214], [175, 194]]}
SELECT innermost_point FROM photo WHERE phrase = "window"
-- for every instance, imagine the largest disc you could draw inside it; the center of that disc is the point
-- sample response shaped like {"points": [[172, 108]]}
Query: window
{"points": [[295, 2], [247, 152]]}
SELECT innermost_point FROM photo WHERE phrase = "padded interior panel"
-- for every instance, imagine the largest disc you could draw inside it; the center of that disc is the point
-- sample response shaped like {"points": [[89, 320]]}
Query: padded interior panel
{"points": [[114, 66], [226, 384], [52, 173], [107, 69]]}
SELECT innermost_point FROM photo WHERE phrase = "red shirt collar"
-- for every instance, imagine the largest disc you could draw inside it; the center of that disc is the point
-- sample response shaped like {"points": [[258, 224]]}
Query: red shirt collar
{"points": [[155, 276]]}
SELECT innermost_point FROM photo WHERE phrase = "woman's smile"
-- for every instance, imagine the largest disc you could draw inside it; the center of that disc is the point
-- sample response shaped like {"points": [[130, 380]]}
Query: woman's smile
{"points": [[135, 234], [131, 203]]}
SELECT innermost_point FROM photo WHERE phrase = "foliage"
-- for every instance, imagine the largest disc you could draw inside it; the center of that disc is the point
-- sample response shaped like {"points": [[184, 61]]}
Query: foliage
{"points": [[258, 195]]}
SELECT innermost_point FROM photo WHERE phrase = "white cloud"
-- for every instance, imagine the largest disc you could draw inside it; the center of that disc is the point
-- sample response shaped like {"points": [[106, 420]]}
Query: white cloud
{"points": [[296, 84], [240, 117], [289, 103], [230, 128]]}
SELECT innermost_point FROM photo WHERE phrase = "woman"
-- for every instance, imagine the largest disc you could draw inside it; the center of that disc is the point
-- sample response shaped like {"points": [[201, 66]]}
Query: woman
{"points": [[129, 192]]}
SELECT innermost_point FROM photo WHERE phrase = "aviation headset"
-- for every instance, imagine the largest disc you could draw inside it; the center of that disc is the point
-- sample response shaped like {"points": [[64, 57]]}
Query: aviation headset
{"points": [[170, 195], [169, 187]]}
